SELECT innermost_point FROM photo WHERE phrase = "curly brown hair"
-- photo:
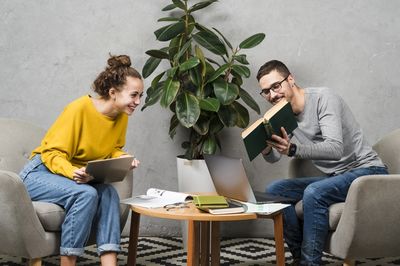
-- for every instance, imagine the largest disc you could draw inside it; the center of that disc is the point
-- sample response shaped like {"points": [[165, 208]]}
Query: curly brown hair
{"points": [[114, 75]]}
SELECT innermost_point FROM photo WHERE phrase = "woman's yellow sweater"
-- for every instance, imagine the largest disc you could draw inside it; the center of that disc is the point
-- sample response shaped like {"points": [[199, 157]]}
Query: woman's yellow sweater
{"points": [[81, 134]]}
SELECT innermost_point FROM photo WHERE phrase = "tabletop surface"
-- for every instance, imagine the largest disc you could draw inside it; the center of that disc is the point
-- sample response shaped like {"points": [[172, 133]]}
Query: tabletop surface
{"points": [[189, 211]]}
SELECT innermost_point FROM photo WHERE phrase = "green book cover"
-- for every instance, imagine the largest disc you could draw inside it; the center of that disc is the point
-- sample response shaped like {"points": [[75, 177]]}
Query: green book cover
{"points": [[210, 201], [256, 135]]}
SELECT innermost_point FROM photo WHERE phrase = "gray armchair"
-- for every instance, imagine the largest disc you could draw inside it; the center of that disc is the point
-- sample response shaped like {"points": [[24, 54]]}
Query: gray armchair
{"points": [[366, 225], [30, 229]]}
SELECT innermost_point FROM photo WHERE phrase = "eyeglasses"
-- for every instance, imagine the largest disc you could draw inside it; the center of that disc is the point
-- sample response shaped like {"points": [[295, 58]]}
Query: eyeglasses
{"points": [[174, 206], [274, 87]]}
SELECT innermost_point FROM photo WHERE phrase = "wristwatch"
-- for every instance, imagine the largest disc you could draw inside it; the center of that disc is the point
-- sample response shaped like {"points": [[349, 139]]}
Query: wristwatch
{"points": [[292, 150]]}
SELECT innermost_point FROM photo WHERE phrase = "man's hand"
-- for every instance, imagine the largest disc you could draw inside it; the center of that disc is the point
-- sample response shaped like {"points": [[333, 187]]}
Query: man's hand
{"points": [[81, 177], [267, 150], [281, 144]]}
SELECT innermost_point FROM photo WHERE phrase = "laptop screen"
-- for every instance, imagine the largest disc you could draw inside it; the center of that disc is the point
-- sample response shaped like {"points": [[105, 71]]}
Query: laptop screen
{"points": [[229, 177]]}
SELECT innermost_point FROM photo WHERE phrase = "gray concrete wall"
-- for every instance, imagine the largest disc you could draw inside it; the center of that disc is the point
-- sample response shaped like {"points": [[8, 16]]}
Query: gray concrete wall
{"points": [[51, 51]]}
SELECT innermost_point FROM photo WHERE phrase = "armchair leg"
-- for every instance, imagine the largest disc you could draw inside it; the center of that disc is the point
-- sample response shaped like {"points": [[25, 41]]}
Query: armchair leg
{"points": [[349, 262], [35, 262]]}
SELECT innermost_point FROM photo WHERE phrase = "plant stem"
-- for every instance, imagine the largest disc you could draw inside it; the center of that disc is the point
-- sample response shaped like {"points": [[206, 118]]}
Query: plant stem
{"points": [[228, 71], [186, 29]]}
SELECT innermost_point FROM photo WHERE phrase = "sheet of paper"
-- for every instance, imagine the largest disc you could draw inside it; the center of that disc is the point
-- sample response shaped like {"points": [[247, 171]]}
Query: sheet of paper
{"points": [[266, 208]]}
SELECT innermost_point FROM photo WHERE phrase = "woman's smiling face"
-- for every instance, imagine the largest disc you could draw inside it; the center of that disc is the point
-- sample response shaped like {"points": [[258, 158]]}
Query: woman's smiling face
{"points": [[128, 97]]}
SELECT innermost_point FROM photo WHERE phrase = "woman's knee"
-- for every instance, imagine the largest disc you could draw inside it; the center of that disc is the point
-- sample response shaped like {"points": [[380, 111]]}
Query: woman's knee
{"points": [[87, 193], [108, 192], [112, 193]]}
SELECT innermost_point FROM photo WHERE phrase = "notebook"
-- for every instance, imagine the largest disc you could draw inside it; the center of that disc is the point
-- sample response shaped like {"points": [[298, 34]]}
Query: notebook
{"points": [[109, 170], [230, 180]]}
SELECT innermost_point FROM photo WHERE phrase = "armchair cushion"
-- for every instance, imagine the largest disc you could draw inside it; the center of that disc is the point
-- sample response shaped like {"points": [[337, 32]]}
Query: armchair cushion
{"points": [[335, 212], [51, 216]]}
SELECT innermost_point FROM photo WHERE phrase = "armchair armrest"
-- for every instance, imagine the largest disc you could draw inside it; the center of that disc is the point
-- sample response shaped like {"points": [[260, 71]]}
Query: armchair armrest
{"points": [[370, 217], [20, 229], [124, 189]]}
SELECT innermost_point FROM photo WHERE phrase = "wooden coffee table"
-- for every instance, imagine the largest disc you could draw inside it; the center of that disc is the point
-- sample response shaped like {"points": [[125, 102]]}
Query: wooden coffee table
{"points": [[200, 224]]}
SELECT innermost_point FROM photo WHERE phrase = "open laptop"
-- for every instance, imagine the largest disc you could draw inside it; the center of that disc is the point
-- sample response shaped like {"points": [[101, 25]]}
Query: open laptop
{"points": [[230, 180], [109, 170]]}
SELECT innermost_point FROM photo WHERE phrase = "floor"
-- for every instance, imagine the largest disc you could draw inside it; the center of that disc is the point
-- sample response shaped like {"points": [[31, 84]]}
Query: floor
{"points": [[168, 251]]}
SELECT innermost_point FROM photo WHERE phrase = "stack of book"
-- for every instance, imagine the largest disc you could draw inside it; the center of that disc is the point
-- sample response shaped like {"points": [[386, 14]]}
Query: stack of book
{"points": [[217, 205]]}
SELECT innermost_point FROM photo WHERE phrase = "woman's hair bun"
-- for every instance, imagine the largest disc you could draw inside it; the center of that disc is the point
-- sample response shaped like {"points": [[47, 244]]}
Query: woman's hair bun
{"points": [[116, 61], [114, 75]]}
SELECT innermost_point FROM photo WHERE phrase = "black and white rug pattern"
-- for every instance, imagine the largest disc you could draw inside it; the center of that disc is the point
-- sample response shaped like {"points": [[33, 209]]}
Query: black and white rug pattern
{"points": [[168, 251]]}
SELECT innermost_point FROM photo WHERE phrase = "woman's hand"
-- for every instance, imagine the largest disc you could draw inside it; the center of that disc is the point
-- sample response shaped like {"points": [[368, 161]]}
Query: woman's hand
{"points": [[281, 144], [81, 177], [135, 162]]}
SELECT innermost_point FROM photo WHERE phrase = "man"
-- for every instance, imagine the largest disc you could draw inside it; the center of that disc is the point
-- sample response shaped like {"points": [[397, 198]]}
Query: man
{"points": [[327, 134]]}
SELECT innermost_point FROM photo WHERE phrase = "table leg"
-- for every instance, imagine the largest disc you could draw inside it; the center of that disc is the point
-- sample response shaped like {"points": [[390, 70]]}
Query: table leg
{"points": [[279, 244], [215, 244], [204, 243], [133, 238], [193, 243]]}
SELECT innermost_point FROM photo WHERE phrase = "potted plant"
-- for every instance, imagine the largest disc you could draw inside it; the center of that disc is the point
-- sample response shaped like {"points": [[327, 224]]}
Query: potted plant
{"points": [[202, 85]]}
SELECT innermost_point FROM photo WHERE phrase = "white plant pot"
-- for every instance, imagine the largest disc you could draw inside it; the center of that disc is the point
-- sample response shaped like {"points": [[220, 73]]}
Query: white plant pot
{"points": [[193, 176]]}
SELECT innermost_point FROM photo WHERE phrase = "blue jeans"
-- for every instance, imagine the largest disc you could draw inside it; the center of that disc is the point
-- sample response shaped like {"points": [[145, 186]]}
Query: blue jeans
{"points": [[85, 205], [306, 239]]}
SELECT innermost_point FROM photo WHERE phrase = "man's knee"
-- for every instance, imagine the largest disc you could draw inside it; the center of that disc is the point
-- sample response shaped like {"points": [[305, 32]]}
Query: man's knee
{"points": [[276, 187], [316, 196]]}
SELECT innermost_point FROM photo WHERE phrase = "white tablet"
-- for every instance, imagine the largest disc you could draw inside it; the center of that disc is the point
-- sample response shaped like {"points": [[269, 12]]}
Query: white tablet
{"points": [[109, 170]]}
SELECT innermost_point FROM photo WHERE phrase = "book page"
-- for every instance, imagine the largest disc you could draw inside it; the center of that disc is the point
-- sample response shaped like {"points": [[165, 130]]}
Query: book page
{"points": [[168, 195], [270, 113], [157, 198], [248, 130]]}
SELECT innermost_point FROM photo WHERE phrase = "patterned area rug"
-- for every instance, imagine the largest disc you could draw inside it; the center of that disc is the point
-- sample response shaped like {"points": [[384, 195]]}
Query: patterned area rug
{"points": [[169, 251]]}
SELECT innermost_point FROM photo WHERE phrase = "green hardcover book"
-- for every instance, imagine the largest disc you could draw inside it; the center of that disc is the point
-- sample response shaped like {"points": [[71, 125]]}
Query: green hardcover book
{"points": [[256, 135], [233, 207], [210, 201]]}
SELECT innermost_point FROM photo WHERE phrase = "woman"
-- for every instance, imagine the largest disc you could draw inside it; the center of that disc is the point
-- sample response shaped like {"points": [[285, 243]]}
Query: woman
{"points": [[89, 128]]}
